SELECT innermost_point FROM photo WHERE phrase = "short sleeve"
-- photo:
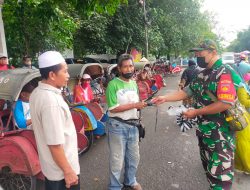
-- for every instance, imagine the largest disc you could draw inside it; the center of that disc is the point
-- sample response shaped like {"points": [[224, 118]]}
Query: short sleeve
{"points": [[111, 96], [53, 121], [226, 91], [19, 115]]}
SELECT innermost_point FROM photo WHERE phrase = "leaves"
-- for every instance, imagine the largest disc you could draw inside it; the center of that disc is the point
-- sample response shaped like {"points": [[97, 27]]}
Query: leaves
{"points": [[104, 26], [242, 42], [33, 26]]}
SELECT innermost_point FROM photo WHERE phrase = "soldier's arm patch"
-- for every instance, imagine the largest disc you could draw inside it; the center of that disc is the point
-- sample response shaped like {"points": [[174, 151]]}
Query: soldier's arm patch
{"points": [[225, 90]]}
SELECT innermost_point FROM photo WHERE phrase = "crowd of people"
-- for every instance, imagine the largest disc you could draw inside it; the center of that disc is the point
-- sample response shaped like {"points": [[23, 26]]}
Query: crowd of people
{"points": [[56, 136]]}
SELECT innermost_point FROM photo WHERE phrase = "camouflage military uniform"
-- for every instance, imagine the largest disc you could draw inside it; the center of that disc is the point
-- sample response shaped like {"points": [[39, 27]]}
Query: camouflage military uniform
{"points": [[216, 141]]}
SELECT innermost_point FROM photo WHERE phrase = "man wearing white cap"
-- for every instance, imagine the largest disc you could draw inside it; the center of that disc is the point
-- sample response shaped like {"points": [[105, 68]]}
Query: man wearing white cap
{"points": [[4, 63], [53, 125]]}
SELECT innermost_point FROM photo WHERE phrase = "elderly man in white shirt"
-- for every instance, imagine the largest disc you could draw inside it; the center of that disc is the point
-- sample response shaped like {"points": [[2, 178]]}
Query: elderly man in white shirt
{"points": [[53, 125]]}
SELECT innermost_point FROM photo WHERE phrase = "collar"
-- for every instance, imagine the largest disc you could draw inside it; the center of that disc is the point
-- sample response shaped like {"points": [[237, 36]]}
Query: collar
{"points": [[44, 86], [124, 80], [217, 64]]}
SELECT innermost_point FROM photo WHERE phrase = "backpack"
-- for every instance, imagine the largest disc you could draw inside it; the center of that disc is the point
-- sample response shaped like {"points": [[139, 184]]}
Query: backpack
{"points": [[237, 116]]}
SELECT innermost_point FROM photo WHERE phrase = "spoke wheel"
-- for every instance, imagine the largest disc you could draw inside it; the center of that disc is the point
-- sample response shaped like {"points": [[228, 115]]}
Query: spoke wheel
{"points": [[11, 181], [90, 136]]}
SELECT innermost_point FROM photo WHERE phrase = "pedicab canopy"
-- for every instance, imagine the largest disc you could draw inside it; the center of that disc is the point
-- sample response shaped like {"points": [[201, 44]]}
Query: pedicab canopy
{"points": [[102, 58], [93, 69], [76, 71], [142, 64], [12, 82], [111, 68]]}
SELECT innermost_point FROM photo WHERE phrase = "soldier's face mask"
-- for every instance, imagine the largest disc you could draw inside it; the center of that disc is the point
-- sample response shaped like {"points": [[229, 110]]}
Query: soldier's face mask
{"points": [[204, 58], [201, 62]]}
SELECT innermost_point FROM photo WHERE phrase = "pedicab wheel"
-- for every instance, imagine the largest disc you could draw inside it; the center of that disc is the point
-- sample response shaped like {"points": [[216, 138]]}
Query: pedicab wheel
{"points": [[83, 143], [90, 135], [11, 181]]}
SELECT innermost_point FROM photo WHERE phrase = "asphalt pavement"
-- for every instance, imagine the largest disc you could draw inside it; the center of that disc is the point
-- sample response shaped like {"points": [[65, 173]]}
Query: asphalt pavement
{"points": [[169, 158]]}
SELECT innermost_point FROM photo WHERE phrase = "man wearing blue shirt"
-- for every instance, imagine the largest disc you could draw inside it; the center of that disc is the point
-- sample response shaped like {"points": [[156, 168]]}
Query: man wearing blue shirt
{"points": [[243, 67]]}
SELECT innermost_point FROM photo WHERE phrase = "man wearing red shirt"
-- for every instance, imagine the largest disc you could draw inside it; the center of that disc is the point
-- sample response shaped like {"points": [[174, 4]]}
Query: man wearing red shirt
{"points": [[4, 63]]}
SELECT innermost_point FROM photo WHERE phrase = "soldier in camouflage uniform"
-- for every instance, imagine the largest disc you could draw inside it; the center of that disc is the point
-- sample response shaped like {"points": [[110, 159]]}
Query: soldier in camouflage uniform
{"points": [[216, 141]]}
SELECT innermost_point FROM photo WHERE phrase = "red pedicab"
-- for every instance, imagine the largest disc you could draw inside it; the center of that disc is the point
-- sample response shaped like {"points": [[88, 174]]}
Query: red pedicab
{"points": [[88, 108], [19, 163], [160, 67]]}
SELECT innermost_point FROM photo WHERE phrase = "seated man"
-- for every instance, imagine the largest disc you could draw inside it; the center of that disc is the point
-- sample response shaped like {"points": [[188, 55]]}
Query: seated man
{"points": [[27, 64], [22, 108], [83, 92]]}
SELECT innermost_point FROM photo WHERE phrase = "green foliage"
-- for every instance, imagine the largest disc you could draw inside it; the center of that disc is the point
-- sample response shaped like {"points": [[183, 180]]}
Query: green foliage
{"points": [[181, 25], [104, 26], [102, 33], [33, 26], [242, 42], [126, 29], [91, 37]]}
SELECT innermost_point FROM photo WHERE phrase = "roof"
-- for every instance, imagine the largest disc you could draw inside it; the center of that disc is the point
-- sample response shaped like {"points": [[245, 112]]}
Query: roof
{"points": [[141, 65], [12, 81], [99, 57]]}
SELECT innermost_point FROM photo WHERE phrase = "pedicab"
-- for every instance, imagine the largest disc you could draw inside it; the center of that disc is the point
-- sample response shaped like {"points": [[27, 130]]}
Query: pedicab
{"points": [[19, 163], [148, 83], [110, 72], [87, 100], [160, 67], [101, 58]]}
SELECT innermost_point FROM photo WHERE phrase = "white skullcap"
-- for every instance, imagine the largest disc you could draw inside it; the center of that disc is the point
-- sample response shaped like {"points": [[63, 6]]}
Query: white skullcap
{"points": [[3, 55], [86, 76], [50, 58]]}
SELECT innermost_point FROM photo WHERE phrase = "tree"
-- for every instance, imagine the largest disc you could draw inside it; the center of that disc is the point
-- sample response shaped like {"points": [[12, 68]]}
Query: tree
{"points": [[98, 26], [33, 26], [116, 34], [180, 23], [242, 42]]}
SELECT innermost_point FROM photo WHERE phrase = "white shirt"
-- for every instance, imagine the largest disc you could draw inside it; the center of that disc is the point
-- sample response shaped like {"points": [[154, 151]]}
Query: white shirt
{"points": [[53, 125]]}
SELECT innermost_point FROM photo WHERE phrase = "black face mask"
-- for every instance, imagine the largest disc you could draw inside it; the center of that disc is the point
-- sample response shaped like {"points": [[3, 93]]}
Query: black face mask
{"points": [[201, 62], [127, 75], [27, 65]]}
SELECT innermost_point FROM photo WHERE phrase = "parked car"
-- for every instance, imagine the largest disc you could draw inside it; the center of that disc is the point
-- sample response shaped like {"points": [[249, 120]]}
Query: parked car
{"points": [[228, 58]]}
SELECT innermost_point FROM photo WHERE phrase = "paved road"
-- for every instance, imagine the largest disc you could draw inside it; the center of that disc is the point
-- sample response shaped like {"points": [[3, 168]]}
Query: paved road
{"points": [[169, 158]]}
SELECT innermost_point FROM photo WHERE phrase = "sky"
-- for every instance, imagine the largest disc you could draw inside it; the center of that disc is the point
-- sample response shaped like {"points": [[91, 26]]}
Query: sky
{"points": [[231, 17]]}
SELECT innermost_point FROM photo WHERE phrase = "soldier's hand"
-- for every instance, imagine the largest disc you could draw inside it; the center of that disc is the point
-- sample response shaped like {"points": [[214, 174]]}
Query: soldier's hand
{"points": [[70, 178], [158, 100], [191, 113]]}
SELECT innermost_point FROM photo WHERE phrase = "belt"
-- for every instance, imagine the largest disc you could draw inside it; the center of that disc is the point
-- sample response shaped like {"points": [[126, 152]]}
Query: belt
{"points": [[129, 121]]}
